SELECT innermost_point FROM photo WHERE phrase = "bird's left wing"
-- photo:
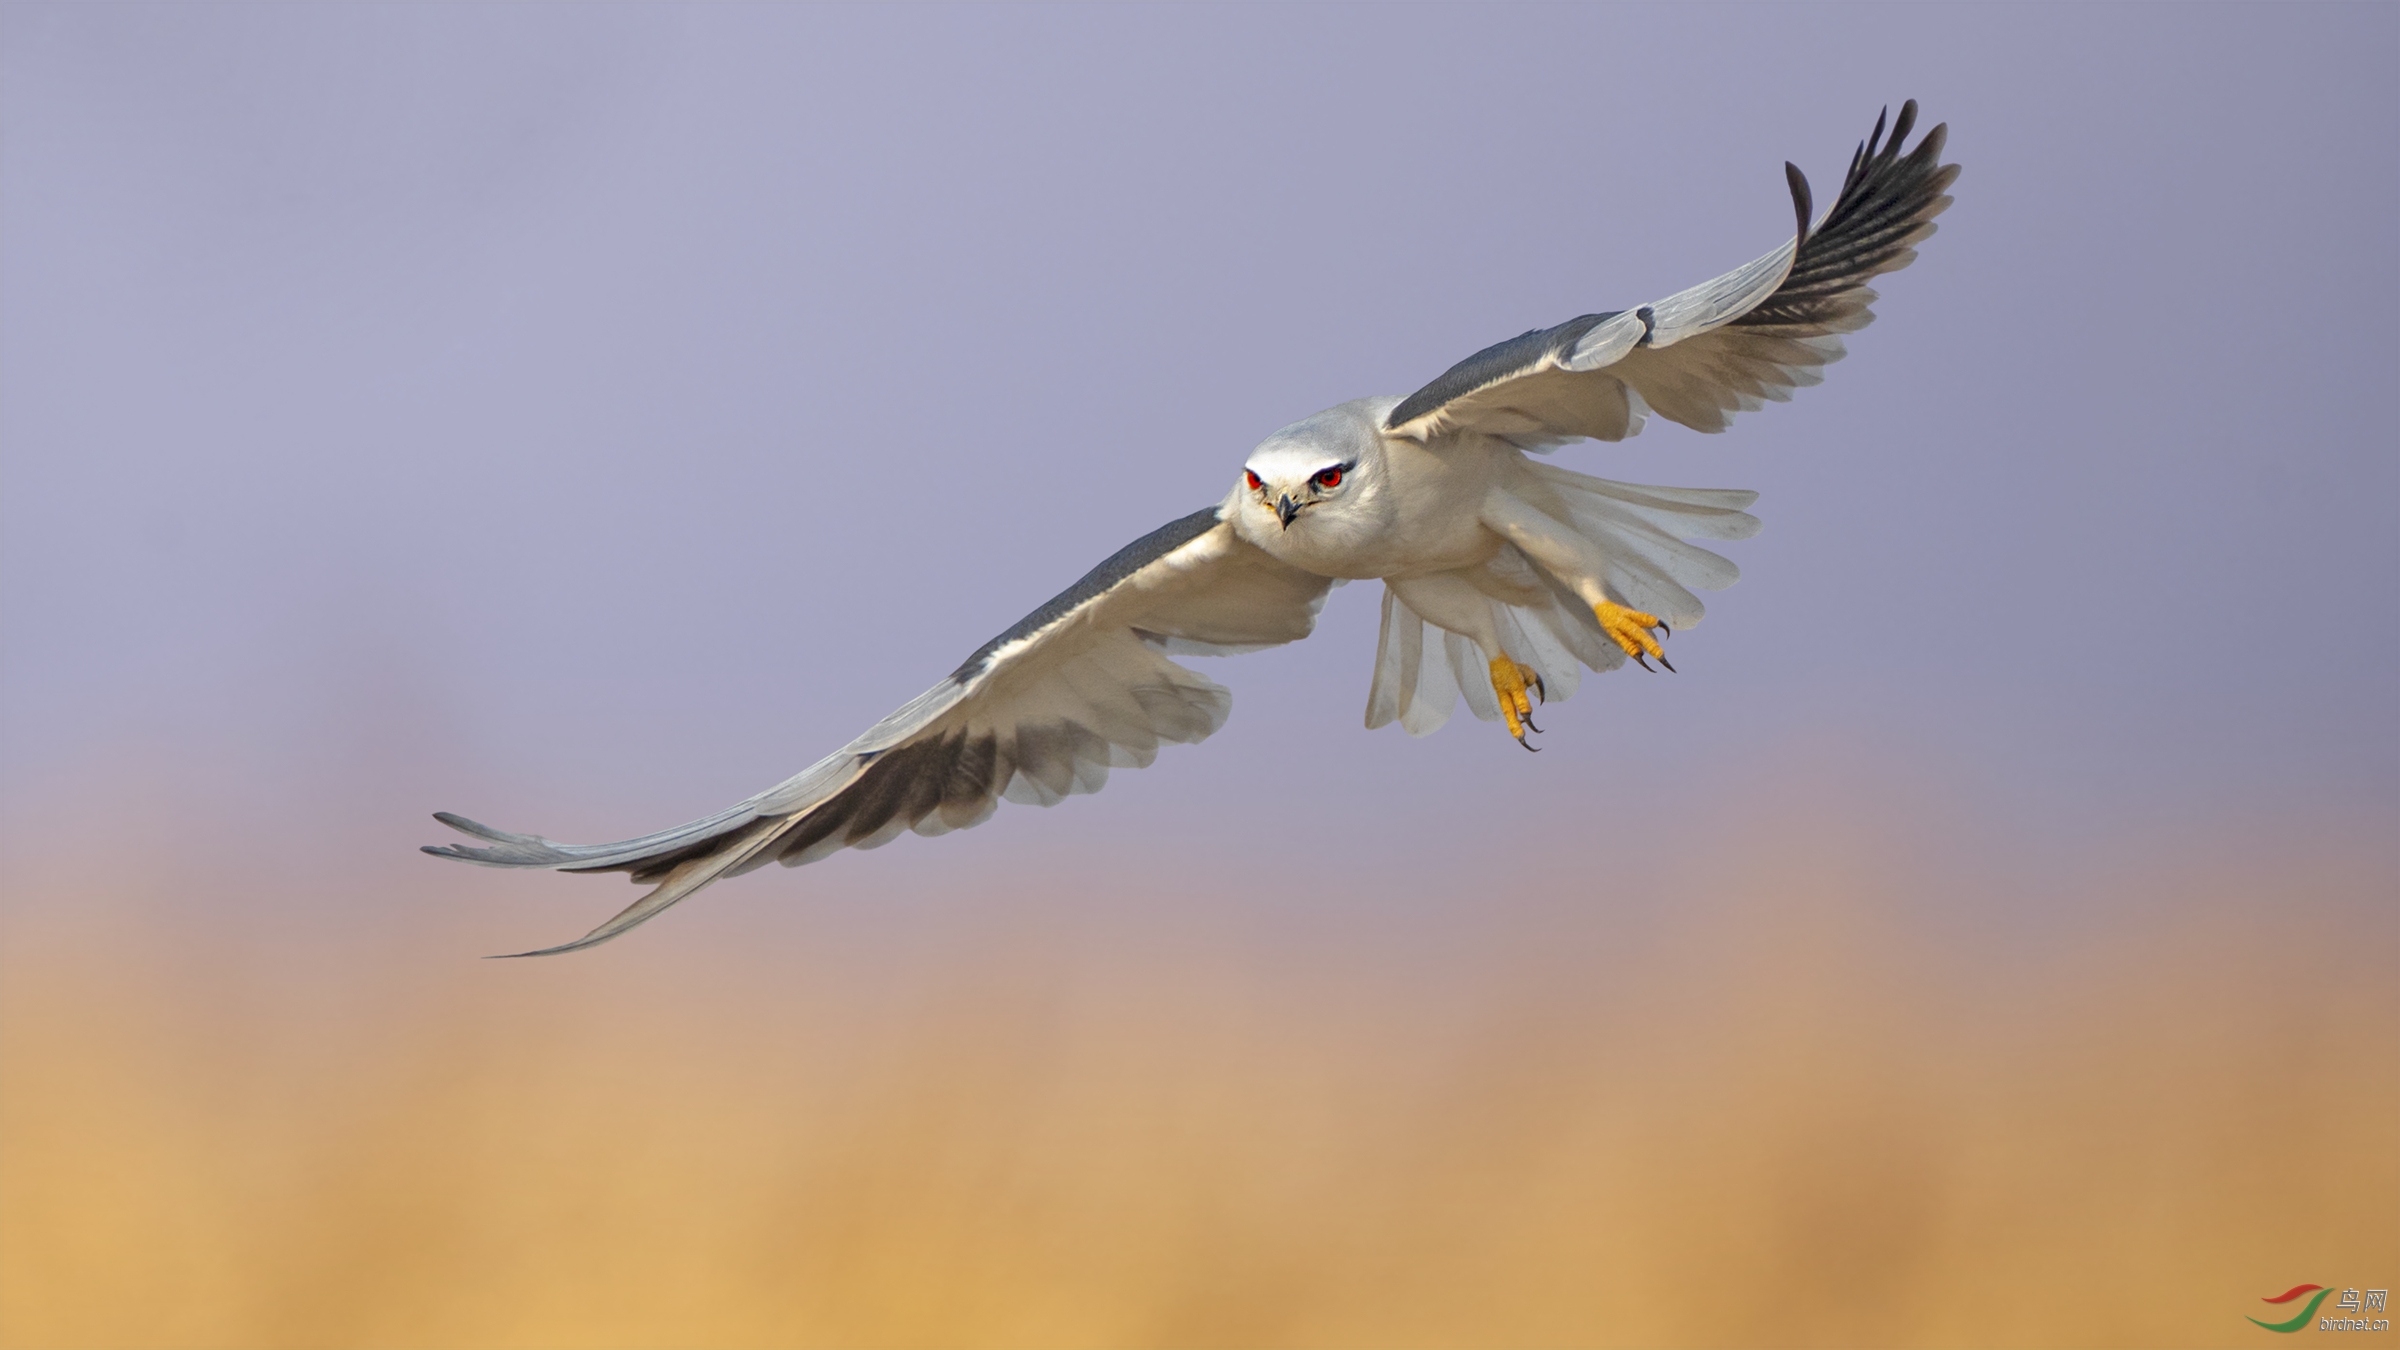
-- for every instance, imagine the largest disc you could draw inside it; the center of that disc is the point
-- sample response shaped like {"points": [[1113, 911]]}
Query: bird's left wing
{"points": [[1724, 346], [1036, 714]]}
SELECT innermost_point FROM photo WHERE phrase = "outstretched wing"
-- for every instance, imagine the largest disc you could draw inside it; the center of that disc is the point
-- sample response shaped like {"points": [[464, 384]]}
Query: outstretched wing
{"points": [[1696, 357], [1038, 713]]}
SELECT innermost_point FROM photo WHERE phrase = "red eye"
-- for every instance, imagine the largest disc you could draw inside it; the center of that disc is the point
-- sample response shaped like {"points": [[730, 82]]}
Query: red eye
{"points": [[1330, 478], [1252, 479]]}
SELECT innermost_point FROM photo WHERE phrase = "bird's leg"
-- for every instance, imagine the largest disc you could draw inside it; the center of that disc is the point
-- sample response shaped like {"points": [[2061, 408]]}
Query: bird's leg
{"points": [[1579, 562], [1512, 682], [1630, 629]]}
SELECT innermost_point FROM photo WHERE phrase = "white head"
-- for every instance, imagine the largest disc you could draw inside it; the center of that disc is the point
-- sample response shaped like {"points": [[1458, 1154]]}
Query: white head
{"points": [[1314, 474]]}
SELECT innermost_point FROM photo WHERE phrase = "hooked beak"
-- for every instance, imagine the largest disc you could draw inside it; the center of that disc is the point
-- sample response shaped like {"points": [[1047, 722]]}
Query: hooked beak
{"points": [[1286, 509]]}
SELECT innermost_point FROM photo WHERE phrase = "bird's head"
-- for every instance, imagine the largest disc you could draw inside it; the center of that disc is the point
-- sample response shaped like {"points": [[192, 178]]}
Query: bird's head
{"points": [[1310, 471], [1291, 484]]}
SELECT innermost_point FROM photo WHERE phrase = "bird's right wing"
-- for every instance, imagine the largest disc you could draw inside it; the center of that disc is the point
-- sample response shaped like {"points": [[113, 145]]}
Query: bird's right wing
{"points": [[1036, 714], [1724, 346]]}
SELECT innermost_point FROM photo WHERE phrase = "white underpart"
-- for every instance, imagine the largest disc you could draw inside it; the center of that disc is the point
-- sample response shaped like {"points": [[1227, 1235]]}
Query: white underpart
{"points": [[1571, 541]]}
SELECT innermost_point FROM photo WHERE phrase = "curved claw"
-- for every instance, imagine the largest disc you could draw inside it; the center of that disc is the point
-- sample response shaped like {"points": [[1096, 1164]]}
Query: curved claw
{"points": [[1663, 630], [1662, 660], [1528, 744], [1637, 660], [1516, 686], [1631, 630]]}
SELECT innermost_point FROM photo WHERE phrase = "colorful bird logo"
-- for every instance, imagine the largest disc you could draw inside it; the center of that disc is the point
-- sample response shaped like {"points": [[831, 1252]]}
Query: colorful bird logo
{"points": [[2306, 1313]]}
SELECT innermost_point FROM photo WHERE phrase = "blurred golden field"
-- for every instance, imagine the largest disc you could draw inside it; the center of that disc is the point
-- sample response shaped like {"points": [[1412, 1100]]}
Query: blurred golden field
{"points": [[1809, 1094]]}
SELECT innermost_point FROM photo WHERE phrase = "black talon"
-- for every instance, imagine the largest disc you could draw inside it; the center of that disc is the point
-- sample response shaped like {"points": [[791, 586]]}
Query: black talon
{"points": [[1528, 744], [1637, 660], [1662, 660], [1663, 630], [1527, 719], [1541, 693]]}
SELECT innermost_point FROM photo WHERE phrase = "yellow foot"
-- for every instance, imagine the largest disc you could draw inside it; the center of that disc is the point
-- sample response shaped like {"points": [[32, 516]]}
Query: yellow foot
{"points": [[1511, 681], [1630, 629]]}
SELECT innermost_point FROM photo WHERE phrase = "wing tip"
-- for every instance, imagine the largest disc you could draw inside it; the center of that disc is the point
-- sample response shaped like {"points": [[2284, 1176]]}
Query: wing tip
{"points": [[474, 827], [625, 921], [1802, 205], [577, 945], [514, 850]]}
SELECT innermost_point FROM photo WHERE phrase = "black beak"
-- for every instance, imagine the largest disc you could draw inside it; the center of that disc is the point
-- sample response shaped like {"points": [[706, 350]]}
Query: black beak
{"points": [[1286, 509]]}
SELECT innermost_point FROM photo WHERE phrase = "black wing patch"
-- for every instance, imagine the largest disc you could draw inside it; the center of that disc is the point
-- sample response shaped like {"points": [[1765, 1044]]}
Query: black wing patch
{"points": [[1500, 361], [1115, 568]]}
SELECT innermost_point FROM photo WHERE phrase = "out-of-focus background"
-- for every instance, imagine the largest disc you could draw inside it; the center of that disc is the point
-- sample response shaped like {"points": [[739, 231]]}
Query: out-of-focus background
{"points": [[580, 417]]}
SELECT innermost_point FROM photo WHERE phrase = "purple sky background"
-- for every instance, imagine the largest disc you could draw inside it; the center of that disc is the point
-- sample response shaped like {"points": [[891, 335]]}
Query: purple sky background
{"points": [[581, 417]]}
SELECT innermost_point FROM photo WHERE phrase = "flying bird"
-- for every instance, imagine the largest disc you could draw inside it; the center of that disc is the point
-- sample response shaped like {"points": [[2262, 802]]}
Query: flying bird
{"points": [[1504, 577]]}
